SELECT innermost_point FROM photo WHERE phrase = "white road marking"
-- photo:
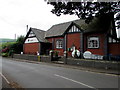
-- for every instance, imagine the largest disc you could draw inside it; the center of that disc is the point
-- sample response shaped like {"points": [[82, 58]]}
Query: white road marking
{"points": [[4, 78], [74, 81]]}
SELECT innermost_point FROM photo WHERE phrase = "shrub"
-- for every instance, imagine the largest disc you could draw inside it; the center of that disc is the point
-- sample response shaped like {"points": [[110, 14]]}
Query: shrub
{"points": [[10, 53], [4, 54], [17, 46], [56, 53], [5, 50]]}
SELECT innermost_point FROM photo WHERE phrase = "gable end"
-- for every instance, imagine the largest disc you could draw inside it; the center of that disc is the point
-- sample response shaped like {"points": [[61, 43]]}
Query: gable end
{"points": [[73, 28]]}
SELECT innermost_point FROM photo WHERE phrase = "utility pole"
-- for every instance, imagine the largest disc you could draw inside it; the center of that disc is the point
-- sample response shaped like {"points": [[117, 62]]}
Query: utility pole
{"points": [[27, 28], [15, 37]]}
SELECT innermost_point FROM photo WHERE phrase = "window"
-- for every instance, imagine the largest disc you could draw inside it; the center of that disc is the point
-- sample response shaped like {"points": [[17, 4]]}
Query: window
{"points": [[93, 42], [59, 43]]}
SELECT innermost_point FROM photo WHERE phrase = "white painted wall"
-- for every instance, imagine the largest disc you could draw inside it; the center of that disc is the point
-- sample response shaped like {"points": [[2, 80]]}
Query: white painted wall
{"points": [[31, 40]]}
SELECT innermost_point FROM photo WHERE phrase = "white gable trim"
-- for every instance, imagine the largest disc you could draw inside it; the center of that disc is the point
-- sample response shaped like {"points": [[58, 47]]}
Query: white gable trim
{"points": [[112, 40], [74, 29], [31, 40], [31, 34]]}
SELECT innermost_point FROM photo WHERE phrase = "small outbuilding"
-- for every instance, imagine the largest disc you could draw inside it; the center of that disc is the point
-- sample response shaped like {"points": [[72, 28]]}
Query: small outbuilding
{"points": [[35, 42]]}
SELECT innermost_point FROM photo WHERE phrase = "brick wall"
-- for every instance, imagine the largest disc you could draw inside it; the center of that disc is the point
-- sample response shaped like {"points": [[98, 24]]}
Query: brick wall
{"points": [[73, 38], [32, 57], [31, 48], [114, 48], [101, 49], [50, 39], [53, 41]]}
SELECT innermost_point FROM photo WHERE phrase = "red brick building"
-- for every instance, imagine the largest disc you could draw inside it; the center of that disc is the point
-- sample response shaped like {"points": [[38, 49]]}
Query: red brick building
{"points": [[99, 37], [35, 42]]}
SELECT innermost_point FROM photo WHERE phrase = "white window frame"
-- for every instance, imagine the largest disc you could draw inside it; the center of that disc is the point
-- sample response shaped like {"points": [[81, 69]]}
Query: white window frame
{"points": [[93, 42], [59, 43]]}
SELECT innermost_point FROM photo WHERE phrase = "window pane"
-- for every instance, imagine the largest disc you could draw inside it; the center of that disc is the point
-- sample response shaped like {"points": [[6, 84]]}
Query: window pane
{"points": [[59, 43]]}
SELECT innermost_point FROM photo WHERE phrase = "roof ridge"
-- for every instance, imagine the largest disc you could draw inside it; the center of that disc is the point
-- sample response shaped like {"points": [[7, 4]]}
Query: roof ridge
{"points": [[37, 29], [66, 22]]}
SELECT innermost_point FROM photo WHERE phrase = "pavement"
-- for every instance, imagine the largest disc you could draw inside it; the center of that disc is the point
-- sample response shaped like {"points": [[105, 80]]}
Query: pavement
{"points": [[61, 64]]}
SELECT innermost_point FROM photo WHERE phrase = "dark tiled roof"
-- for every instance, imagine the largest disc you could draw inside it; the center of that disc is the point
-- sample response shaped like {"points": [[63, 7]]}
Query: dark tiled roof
{"points": [[39, 34], [97, 25], [57, 30]]}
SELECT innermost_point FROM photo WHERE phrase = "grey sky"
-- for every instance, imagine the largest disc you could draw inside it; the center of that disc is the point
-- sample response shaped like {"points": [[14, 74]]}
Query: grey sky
{"points": [[16, 14]]}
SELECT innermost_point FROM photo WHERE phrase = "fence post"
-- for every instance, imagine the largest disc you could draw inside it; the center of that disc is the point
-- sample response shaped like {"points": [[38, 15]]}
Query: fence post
{"points": [[51, 55], [38, 58]]}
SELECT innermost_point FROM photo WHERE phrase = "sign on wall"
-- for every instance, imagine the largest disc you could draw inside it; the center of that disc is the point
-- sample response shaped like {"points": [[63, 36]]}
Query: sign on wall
{"points": [[31, 40], [87, 55]]}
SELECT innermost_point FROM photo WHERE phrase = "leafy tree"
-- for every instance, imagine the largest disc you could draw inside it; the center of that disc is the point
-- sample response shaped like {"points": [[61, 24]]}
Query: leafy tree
{"points": [[20, 39], [85, 10], [5, 48], [18, 46], [13, 47]]}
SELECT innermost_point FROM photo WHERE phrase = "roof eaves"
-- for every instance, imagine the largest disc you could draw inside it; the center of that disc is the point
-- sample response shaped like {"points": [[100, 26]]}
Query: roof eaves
{"points": [[54, 36]]}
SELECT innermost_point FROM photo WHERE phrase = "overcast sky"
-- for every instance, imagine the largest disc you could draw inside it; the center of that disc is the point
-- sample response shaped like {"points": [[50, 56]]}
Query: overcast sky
{"points": [[16, 14]]}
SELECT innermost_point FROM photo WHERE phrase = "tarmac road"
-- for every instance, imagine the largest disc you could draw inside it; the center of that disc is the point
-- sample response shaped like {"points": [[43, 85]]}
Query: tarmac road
{"points": [[3, 82], [31, 75]]}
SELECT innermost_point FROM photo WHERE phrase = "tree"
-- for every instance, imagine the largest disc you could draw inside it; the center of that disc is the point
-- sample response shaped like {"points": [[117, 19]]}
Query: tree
{"points": [[18, 46], [20, 39], [85, 10], [9, 48]]}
